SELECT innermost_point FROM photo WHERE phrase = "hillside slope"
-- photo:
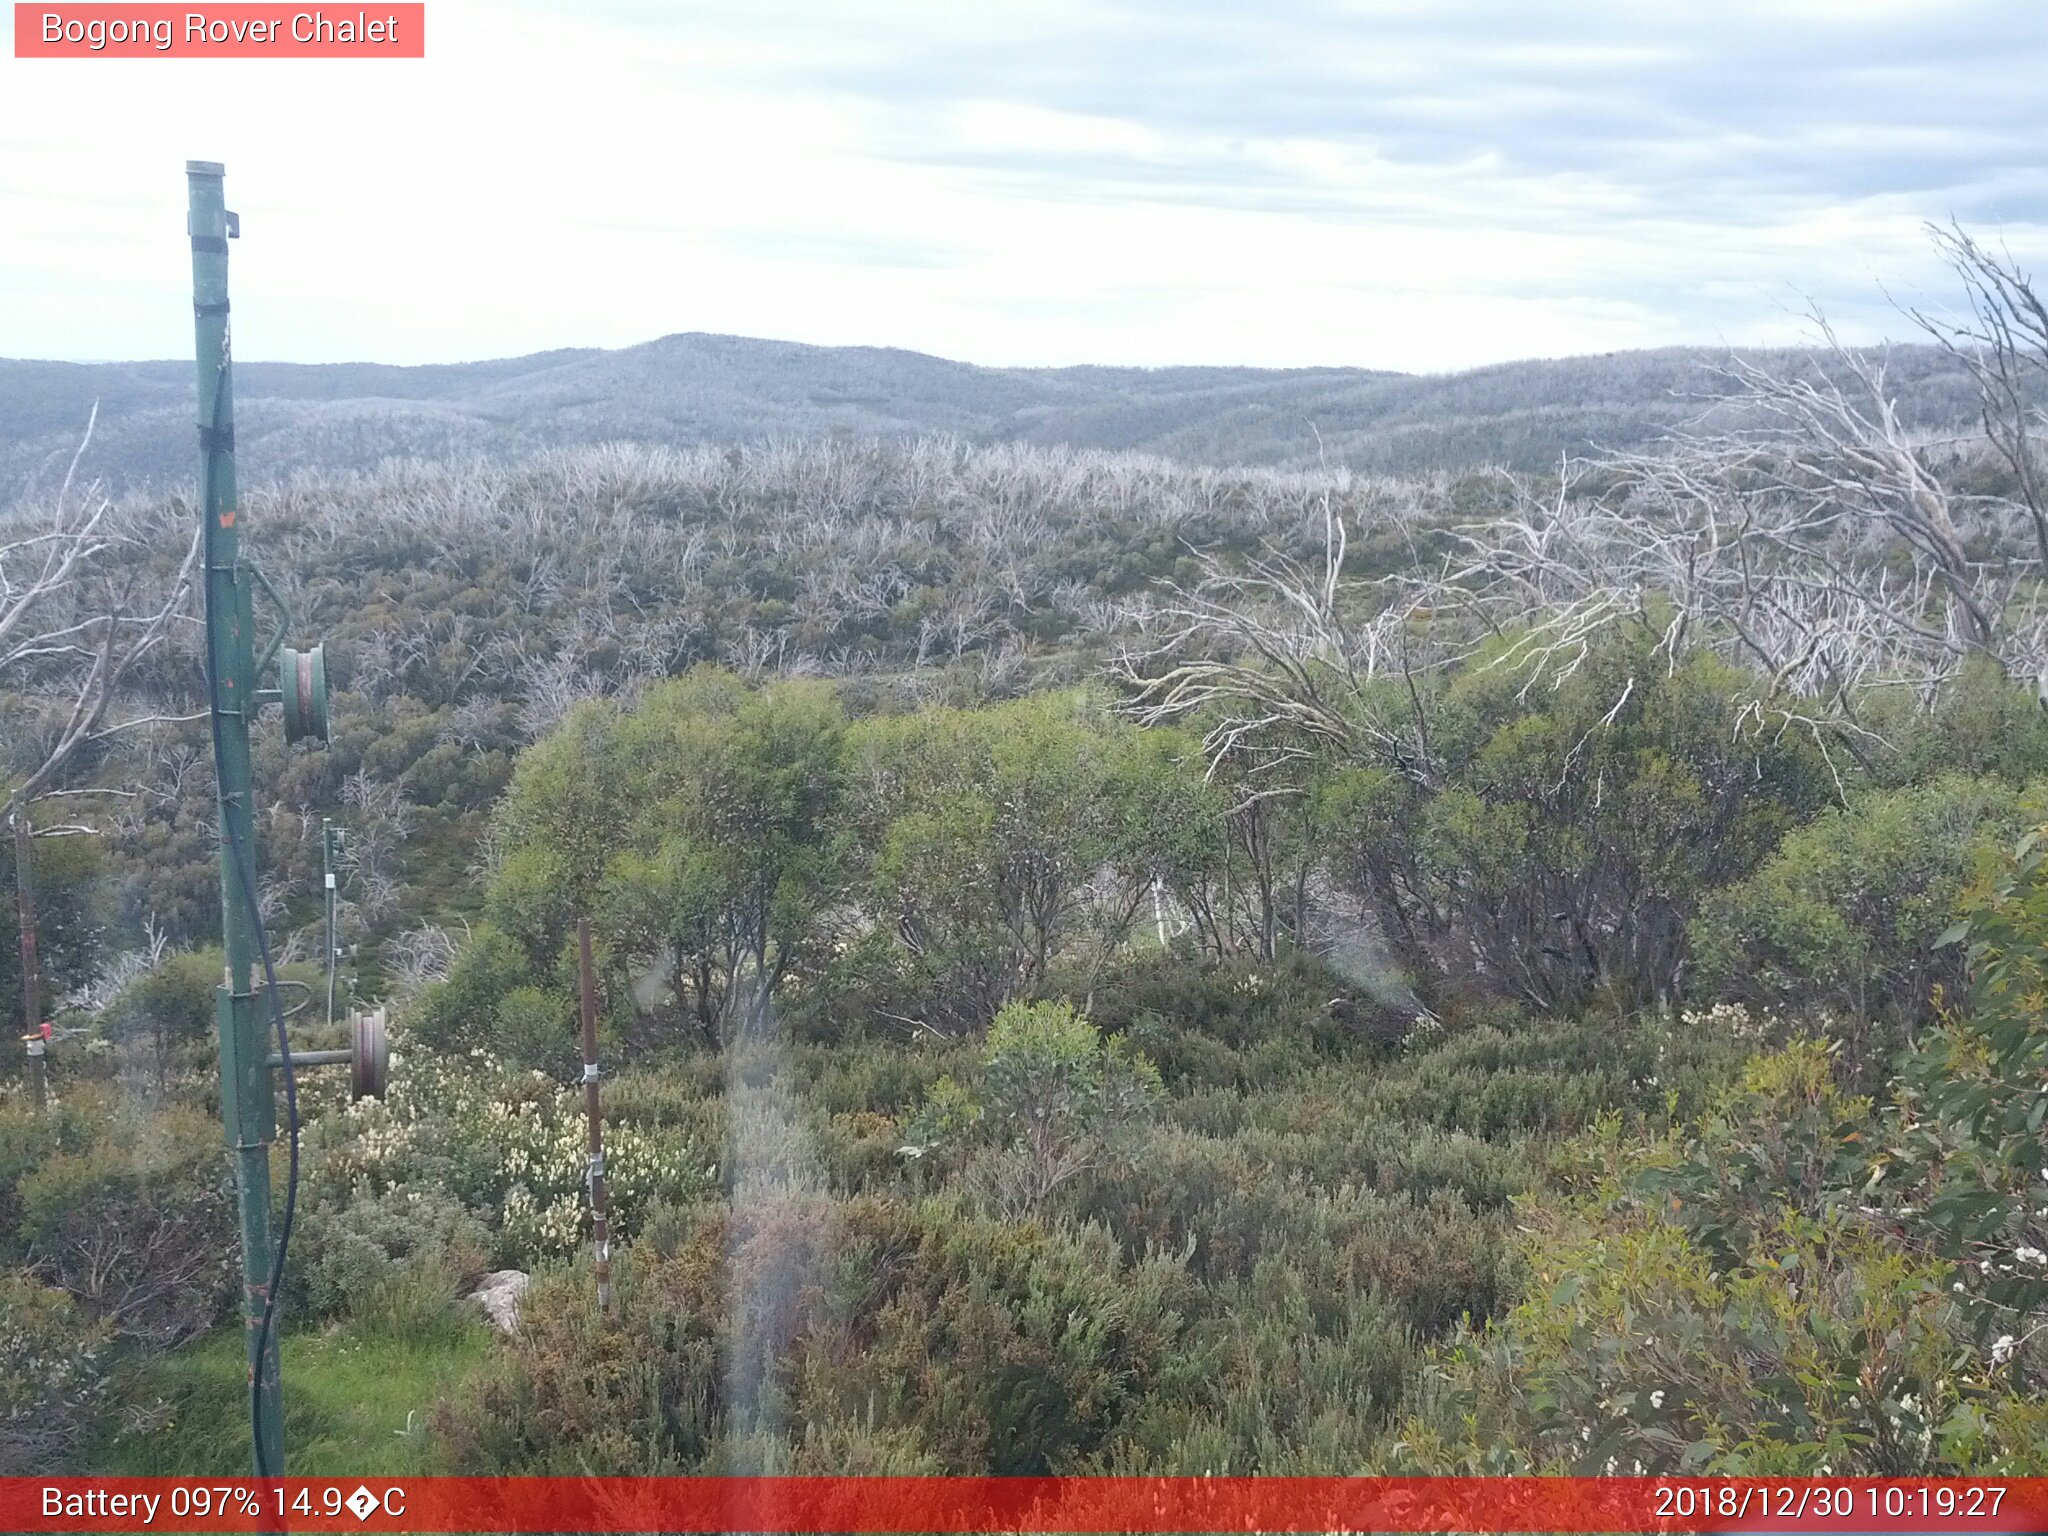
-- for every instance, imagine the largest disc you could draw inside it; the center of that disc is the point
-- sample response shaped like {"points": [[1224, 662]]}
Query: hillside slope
{"points": [[695, 388]]}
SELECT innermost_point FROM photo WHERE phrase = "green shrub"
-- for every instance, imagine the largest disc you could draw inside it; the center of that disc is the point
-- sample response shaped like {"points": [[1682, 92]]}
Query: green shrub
{"points": [[28, 1137], [137, 1223], [1984, 722], [459, 1014], [1300, 1005], [1430, 1252], [1573, 828], [380, 1257], [537, 1029], [1829, 1351], [579, 1392], [1966, 1149], [1728, 1301], [1010, 1348], [1800, 1283], [928, 1337], [982, 833], [888, 1078], [169, 1011], [1186, 1059], [1291, 1385], [1052, 1098], [1846, 917], [693, 829], [73, 913], [54, 1386]]}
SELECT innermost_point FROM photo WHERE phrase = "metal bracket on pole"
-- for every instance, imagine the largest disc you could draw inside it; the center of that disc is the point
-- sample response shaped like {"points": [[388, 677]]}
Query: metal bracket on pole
{"points": [[285, 619]]}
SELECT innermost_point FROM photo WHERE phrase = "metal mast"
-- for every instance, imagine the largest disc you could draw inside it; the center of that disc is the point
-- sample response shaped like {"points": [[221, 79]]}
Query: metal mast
{"points": [[248, 1110]]}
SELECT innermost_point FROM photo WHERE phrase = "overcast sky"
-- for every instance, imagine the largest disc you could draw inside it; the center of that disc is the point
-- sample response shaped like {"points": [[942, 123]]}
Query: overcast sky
{"points": [[1424, 185]]}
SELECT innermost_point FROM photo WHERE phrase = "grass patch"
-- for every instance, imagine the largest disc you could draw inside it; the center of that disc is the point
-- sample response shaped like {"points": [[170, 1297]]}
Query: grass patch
{"points": [[355, 1403]]}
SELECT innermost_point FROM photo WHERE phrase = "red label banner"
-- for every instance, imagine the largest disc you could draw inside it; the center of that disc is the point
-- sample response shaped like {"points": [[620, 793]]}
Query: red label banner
{"points": [[1025, 1504], [231, 31]]}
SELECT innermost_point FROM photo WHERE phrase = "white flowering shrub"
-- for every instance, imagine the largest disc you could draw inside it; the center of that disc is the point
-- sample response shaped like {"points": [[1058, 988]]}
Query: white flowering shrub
{"points": [[510, 1143], [1425, 1033], [1734, 1021]]}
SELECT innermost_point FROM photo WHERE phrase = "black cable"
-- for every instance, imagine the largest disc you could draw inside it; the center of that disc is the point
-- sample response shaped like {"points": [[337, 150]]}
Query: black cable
{"points": [[245, 877]]}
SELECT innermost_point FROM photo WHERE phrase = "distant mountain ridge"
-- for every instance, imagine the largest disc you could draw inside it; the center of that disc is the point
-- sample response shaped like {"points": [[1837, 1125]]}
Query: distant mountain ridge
{"points": [[698, 388]]}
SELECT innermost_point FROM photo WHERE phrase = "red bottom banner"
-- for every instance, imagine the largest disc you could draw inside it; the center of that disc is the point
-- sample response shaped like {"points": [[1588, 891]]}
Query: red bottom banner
{"points": [[1024, 1504]]}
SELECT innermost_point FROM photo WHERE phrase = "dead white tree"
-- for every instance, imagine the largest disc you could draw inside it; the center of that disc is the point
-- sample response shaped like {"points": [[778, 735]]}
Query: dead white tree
{"points": [[1818, 541], [377, 836], [1282, 655], [2002, 340], [1800, 528], [550, 688], [82, 607], [1816, 545], [421, 955]]}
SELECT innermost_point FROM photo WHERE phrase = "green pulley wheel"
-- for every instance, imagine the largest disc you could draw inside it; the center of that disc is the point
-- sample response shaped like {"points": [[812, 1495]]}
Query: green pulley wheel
{"points": [[303, 683]]}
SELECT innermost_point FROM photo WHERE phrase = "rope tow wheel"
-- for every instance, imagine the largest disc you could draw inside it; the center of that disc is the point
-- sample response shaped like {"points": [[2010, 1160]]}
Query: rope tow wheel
{"points": [[369, 1054], [302, 689]]}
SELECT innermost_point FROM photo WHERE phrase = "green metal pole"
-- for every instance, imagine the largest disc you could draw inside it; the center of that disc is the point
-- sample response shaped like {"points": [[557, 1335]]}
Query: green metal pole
{"points": [[248, 1113]]}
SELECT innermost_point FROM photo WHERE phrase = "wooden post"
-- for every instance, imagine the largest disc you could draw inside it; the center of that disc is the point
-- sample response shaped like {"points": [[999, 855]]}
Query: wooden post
{"points": [[32, 1037], [600, 1226]]}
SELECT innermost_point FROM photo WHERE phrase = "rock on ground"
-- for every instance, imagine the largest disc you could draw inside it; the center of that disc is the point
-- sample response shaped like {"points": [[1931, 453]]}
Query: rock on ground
{"points": [[499, 1295]]}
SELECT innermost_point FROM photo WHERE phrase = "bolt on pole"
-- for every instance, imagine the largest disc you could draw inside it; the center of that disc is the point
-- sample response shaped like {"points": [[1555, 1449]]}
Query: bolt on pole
{"points": [[248, 1111]]}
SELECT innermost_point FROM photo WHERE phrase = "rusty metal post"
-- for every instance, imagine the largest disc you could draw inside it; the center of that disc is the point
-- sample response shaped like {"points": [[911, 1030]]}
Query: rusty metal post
{"points": [[33, 1037], [600, 1224]]}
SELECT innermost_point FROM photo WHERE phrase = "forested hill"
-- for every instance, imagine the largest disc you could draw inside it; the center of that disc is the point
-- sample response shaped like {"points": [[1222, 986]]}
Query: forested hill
{"points": [[693, 389]]}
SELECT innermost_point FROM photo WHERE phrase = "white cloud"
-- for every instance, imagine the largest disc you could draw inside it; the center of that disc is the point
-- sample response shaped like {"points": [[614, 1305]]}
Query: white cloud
{"points": [[1395, 185]]}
